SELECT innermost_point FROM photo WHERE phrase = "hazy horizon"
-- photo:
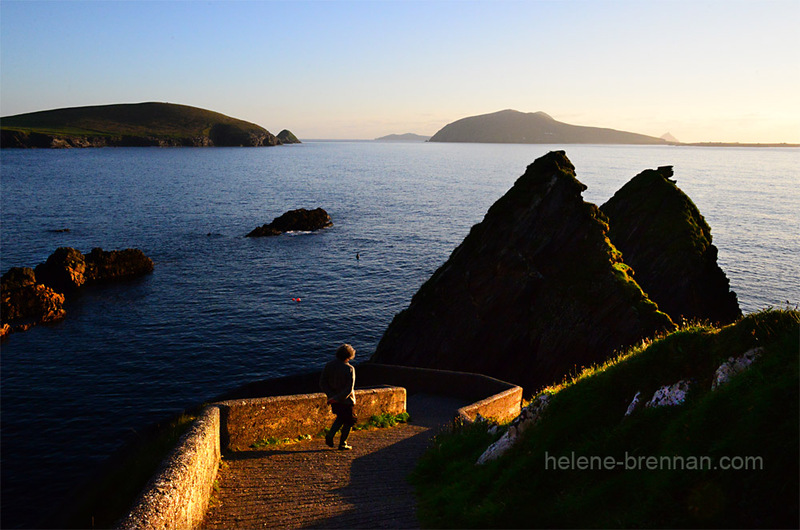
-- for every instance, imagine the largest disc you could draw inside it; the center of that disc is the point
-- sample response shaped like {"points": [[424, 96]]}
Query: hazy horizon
{"points": [[704, 71]]}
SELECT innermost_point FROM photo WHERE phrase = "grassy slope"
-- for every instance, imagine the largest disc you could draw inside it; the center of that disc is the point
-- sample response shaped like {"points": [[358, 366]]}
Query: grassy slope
{"points": [[138, 119], [756, 414]]}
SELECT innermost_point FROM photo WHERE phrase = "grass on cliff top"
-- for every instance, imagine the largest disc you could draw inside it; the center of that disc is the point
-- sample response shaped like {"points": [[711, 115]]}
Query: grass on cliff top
{"points": [[752, 421]]}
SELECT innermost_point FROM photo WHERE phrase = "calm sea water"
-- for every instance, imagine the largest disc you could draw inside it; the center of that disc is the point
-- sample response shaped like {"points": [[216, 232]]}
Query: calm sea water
{"points": [[218, 310]]}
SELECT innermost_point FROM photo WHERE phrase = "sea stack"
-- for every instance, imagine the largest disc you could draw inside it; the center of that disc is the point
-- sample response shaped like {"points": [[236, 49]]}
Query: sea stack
{"points": [[667, 242], [535, 290], [287, 137]]}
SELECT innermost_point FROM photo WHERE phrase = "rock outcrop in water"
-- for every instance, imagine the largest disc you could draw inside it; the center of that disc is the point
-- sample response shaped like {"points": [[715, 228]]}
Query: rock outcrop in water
{"points": [[67, 269], [666, 240], [287, 137], [534, 291], [30, 297], [24, 302], [300, 220]]}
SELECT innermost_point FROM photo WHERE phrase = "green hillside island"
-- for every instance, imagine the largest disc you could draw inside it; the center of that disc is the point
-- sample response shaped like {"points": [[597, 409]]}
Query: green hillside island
{"points": [[723, 456], [131, 125]]}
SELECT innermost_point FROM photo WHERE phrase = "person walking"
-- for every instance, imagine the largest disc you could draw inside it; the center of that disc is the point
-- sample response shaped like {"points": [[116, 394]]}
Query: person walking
{"points": [[338, 381]]}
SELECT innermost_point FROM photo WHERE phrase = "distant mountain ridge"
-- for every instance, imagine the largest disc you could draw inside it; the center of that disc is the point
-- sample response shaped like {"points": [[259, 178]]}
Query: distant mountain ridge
{"points": [[407, 137], [131, 124], [511, 126]]}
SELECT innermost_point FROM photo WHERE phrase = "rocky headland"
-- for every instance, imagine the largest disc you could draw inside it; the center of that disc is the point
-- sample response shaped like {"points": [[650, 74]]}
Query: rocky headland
{"points": [[666, 240], [33, 296], [131, 125], [300, 220], [535, 290]]}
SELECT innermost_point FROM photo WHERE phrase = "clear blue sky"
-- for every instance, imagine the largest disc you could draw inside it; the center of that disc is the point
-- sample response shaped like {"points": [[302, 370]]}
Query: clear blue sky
{"points": [[703, 70]]}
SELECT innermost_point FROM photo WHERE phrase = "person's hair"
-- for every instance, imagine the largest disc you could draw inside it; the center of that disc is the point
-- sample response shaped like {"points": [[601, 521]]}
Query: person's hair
{"points": [[345, 352]]}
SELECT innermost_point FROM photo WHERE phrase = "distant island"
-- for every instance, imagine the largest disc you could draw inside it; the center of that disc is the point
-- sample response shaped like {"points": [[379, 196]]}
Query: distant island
{"points": [[132, 125], [407, 137], [514, 127]]}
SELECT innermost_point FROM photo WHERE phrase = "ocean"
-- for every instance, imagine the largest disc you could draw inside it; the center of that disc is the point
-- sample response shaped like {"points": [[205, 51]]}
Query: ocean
{"points": [[221, 310]]}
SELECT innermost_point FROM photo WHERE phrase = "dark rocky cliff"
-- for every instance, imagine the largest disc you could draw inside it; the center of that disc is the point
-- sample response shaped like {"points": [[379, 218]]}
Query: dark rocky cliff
{"points": [[535, 290], [667, 242]]}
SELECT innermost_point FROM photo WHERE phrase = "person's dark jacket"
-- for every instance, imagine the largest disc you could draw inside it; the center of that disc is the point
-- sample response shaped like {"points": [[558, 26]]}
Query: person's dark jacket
{"points": [[338, 381]]}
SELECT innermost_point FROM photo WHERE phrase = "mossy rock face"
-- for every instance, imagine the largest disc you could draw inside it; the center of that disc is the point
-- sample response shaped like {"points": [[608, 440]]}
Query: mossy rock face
{"points": [[535, 290], [666, 240]]}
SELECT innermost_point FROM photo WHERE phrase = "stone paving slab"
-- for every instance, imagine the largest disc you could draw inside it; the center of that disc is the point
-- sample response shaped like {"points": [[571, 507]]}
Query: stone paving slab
{"points": [[309, 485]]}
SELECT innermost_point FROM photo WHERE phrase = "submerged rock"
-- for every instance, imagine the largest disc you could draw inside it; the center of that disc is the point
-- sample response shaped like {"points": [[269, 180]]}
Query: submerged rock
{"points": [[666, 240], [300, 220], [534, 291]]}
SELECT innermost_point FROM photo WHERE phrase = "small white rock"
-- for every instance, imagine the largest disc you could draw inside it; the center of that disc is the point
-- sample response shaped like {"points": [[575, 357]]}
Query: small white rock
{"points": [[634, 404], [667, 395], [529, 416], [735, 366]]}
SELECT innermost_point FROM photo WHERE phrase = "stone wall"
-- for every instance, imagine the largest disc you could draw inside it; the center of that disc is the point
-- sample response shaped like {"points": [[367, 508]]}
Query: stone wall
{"points": [[248, 421], [501, 407], [177, 496]]}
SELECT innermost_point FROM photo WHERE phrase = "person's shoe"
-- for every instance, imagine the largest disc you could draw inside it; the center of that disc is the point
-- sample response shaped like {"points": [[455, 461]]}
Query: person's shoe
{"points": [[345, 447], [329, 441]]}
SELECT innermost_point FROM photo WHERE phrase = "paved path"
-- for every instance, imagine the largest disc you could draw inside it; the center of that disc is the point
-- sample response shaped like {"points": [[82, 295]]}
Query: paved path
{"points": [[309, 485]]}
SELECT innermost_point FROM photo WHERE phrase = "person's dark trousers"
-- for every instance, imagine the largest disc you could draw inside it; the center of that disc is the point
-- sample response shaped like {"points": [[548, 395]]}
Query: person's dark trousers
{"points": [[345, 419]]}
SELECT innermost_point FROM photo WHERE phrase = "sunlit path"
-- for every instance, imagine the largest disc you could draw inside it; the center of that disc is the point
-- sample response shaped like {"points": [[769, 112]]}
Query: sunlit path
{"points": [[309, 485]]}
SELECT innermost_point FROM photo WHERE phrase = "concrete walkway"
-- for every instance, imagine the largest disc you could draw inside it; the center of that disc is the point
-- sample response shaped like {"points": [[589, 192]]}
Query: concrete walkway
{"points": [[309, 485]]}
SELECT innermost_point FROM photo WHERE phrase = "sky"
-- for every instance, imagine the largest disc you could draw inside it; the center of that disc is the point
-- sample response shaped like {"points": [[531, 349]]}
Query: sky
{"points": [[722, 70]]}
